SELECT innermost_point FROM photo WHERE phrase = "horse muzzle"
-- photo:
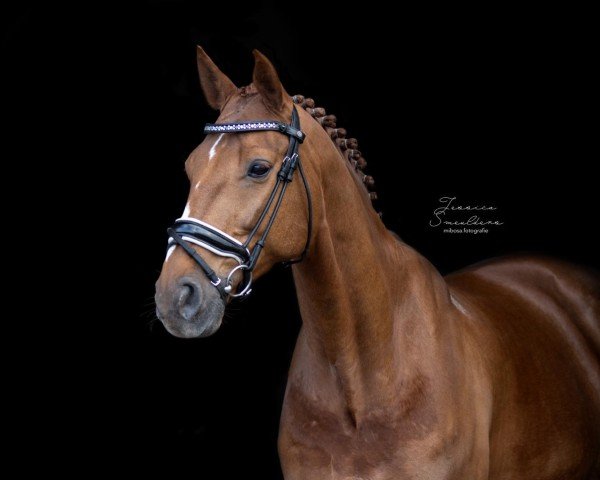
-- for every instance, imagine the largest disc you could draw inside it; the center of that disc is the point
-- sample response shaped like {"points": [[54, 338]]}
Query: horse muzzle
{"points": [[189, 307]]}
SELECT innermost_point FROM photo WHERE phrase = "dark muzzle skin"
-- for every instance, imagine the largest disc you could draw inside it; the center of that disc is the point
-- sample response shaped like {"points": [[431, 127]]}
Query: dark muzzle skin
{"points": [[189, 306]]}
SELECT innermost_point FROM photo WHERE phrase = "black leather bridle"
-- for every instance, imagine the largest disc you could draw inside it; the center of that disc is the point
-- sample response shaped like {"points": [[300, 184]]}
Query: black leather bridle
{"points": [[187, 231]]}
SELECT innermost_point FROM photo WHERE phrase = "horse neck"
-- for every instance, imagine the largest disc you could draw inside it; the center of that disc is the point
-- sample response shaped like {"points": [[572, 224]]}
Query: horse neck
{"points": [[369, 303]]}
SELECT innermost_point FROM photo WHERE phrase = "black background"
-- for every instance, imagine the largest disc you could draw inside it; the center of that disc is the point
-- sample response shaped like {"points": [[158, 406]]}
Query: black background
{"points": [[488, 106]]}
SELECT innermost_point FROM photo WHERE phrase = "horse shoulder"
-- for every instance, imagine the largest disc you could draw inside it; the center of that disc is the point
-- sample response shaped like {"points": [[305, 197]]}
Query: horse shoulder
{"points": [[536, 323], [566, 293]]}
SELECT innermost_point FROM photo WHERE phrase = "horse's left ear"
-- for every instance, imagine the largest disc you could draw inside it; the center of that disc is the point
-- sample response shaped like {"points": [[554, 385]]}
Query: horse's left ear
{"points": [[267, 83]]}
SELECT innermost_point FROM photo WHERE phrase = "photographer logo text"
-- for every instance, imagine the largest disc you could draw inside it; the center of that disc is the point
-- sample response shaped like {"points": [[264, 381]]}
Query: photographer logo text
{"points": [[453, 216]]}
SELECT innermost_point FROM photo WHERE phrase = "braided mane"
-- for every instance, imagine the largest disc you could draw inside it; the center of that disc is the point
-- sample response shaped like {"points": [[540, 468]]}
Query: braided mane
{"points": [[348, 147]]}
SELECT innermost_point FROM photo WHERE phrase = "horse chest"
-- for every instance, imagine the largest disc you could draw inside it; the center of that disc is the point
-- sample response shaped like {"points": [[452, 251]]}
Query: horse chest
{"points": [[322, 446], [319, 442]]}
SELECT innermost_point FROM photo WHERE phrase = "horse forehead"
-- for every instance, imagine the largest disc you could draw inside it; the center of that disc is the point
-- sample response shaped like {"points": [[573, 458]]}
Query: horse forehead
{"points": [[206, 157], [241, 108], [232, 148], [211, 142]]}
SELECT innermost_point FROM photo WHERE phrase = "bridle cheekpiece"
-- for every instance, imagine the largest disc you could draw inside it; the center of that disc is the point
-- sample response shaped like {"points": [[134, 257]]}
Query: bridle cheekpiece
{"points": [[190, 231]]}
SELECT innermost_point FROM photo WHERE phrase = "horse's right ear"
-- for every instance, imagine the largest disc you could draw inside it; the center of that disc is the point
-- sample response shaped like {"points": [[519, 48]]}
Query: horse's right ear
{"points": [[217, 86]]}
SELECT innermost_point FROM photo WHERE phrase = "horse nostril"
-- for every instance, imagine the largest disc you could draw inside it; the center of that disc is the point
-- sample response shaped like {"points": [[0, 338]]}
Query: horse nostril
{"points": [[189, 299]]}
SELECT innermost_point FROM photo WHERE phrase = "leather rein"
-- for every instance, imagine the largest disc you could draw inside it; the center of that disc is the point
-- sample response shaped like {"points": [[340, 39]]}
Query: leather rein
{"points": [[188, 231]]}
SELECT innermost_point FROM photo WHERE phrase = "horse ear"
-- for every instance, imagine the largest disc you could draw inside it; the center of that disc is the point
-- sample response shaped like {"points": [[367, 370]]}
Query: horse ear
{"points": [[267, 82], [217, 86]]}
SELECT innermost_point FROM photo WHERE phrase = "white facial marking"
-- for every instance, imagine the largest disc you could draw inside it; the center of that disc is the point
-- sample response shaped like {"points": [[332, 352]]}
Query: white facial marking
{"points": [[197, 186], [169, 252], [186, 211], [213, 149]]}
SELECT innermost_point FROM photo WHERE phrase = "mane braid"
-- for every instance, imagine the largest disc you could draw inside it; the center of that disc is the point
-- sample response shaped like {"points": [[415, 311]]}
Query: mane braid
{"points": [[348, 147]]}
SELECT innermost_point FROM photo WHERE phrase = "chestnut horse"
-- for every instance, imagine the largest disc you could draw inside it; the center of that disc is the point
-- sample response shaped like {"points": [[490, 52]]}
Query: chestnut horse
{"points": [[398, 373]]}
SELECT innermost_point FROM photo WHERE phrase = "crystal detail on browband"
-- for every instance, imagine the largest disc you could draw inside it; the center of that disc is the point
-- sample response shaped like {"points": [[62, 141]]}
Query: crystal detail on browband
{"points": [[241, 126]]}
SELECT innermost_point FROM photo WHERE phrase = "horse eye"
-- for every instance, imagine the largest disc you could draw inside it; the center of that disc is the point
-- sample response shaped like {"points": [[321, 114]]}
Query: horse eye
{"points": [[258, 169]]}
